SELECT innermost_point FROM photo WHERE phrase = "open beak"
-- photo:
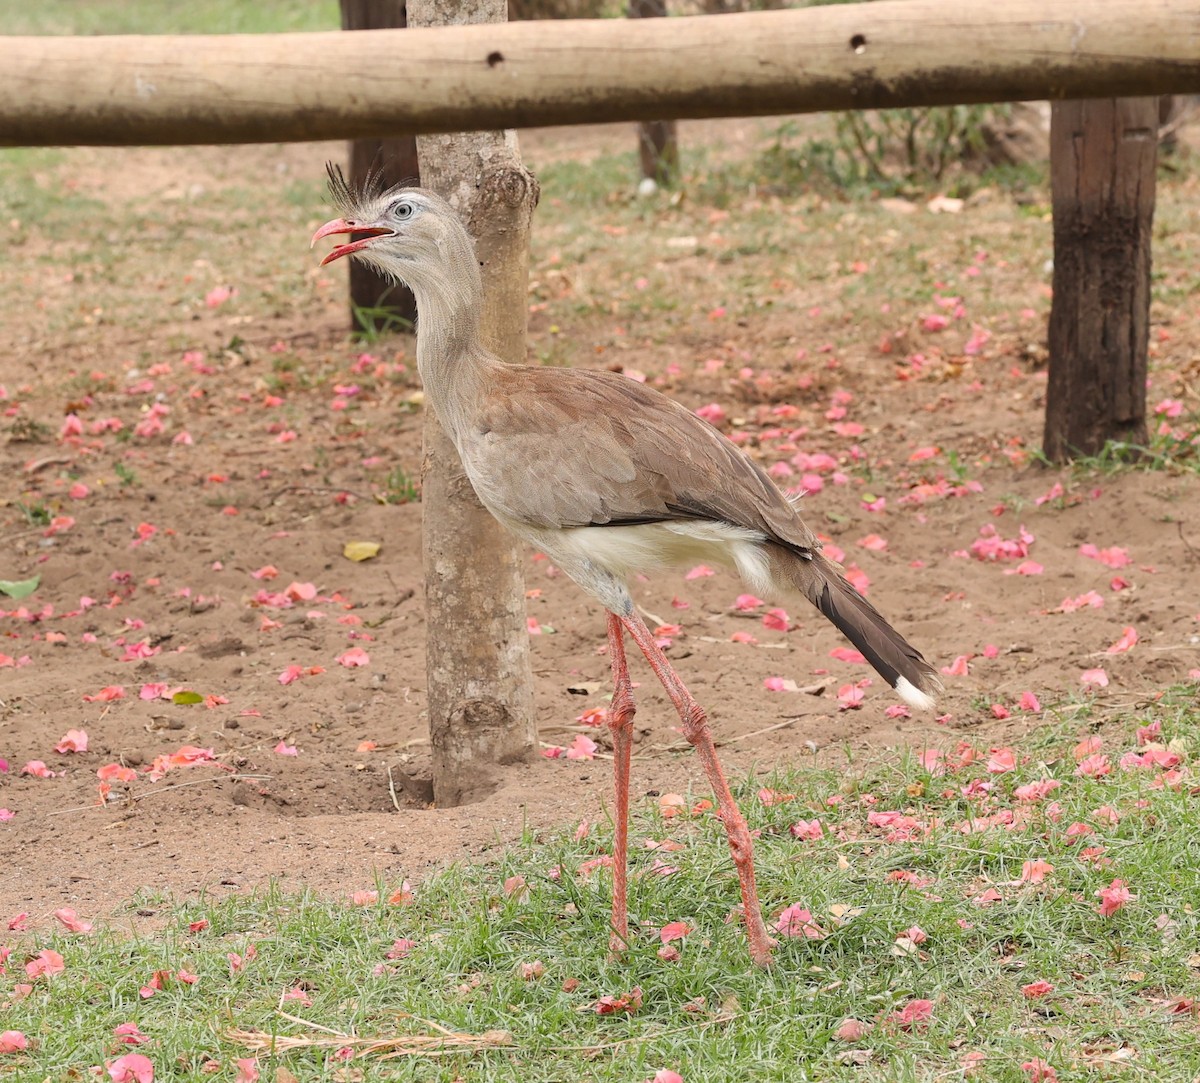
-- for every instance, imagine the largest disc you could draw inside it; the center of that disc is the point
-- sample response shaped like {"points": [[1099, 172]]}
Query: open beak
{"points": [[339, 225]]}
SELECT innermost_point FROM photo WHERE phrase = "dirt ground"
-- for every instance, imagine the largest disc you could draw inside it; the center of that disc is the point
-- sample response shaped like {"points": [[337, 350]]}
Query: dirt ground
{"points": [[185, 488]]}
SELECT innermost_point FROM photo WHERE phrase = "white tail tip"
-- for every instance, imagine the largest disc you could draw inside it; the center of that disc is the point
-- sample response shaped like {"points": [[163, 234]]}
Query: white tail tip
{"points": [[913, 696]]}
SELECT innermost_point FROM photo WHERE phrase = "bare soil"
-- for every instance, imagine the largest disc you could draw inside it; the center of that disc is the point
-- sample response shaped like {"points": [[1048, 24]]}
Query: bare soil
{"points": [[293, 437]]}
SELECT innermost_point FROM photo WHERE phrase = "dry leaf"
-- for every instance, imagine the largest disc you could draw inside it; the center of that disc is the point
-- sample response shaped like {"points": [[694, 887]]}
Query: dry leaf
{"points": [[360, 550]]}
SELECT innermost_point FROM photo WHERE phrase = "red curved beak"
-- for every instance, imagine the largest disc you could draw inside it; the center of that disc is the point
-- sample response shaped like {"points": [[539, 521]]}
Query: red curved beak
{"points": [[339, 225]]}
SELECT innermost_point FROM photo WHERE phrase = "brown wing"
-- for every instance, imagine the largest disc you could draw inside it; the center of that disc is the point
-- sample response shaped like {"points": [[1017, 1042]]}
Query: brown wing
{"points": [[571, 447]]}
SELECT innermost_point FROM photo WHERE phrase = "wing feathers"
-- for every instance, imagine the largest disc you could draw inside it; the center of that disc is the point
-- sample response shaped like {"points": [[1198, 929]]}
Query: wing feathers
{"points": [[556, 449]]}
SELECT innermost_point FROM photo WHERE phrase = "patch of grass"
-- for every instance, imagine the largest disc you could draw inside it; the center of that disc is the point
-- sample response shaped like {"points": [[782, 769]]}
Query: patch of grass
{"points": [[125, 474], [28, 430], [165, 17], [594, 183], [1175, 450], [35, 514], [400, 487], [24, 189], [929, 923], [375, 324]]}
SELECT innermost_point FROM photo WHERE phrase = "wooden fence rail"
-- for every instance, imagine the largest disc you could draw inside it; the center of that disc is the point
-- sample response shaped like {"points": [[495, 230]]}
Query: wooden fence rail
{"points": [[163, 90]]}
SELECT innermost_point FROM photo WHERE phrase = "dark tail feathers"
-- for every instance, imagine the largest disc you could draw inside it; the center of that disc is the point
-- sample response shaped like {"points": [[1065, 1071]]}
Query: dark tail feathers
{"points": [[895, 659]]}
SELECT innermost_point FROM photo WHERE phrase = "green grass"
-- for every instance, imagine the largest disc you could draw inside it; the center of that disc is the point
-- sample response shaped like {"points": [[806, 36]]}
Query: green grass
{"points": [[1176, 451], [166, 17], [708, 1015]]}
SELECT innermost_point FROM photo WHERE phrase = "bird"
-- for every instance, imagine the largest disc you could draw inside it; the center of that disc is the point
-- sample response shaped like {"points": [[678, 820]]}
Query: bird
{"points": [[608, 478]]}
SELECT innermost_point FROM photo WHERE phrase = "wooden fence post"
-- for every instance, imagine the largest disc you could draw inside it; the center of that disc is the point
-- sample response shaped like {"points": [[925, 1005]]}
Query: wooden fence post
{"points": [[658, 140], [373, 299], [480, 683], [1103, 154]]}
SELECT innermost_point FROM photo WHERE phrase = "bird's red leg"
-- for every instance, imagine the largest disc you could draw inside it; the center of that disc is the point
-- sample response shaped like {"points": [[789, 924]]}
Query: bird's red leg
{"points": [[620, 723], [696, 731]]}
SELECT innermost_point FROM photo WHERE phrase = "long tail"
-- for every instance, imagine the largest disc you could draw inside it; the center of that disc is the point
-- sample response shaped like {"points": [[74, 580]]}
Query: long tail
{"points": [[895, 659]]}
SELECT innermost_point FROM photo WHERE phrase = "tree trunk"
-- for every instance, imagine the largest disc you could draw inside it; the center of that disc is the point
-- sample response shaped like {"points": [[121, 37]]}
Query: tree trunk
{"points": [[658, 140], [1102, 161], [375, 303], [481, 711]]}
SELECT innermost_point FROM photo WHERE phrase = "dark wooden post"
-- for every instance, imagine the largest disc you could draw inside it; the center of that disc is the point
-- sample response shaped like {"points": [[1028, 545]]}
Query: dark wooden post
{"points": [[394, 161], [1103, 155], [658, 142]]}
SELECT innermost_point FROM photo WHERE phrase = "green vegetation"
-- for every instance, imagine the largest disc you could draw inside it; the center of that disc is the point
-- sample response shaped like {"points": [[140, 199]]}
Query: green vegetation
{"points": [[1014, 905], [165, 17]]}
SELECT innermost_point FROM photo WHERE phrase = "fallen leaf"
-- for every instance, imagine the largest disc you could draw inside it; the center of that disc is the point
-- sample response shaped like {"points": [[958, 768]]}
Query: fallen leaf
{"points": [[22, 588], [360, 550]]}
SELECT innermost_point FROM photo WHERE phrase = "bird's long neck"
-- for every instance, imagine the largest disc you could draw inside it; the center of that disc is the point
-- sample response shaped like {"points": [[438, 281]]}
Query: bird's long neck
{"points": [[451, 358]]}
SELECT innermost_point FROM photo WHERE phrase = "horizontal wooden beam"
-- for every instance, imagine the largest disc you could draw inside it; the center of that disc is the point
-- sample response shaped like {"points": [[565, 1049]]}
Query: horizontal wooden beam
{"points": [[298, 87]]}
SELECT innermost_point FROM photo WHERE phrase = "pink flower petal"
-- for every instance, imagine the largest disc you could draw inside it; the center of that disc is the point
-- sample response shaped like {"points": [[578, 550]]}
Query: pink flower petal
{"points": [[1039, 1071], [129, 1034], [1128, 638], [45, 964], [1035, 871], [1113, 557], [1001, 760], [107, 694], [1113, 898], [674, 930], [958, 668], [73, 741], [777, 620], [797, 921], [582, 748], [292, 673], [850, 697], [847, 654], [70, 920]]}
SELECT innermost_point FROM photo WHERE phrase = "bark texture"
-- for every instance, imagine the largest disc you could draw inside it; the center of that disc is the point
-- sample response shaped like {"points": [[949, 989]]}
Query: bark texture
{"points": [[658, 140], [481, 710], [383, 305], [1102, 165], [270, 88]]}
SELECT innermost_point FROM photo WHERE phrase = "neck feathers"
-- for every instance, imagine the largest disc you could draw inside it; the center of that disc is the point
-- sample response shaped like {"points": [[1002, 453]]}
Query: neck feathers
{"points": [[451, 358]]}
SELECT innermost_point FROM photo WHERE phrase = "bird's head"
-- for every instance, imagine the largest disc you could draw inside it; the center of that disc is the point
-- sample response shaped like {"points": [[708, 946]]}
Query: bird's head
{"points": [[409, 234]]}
